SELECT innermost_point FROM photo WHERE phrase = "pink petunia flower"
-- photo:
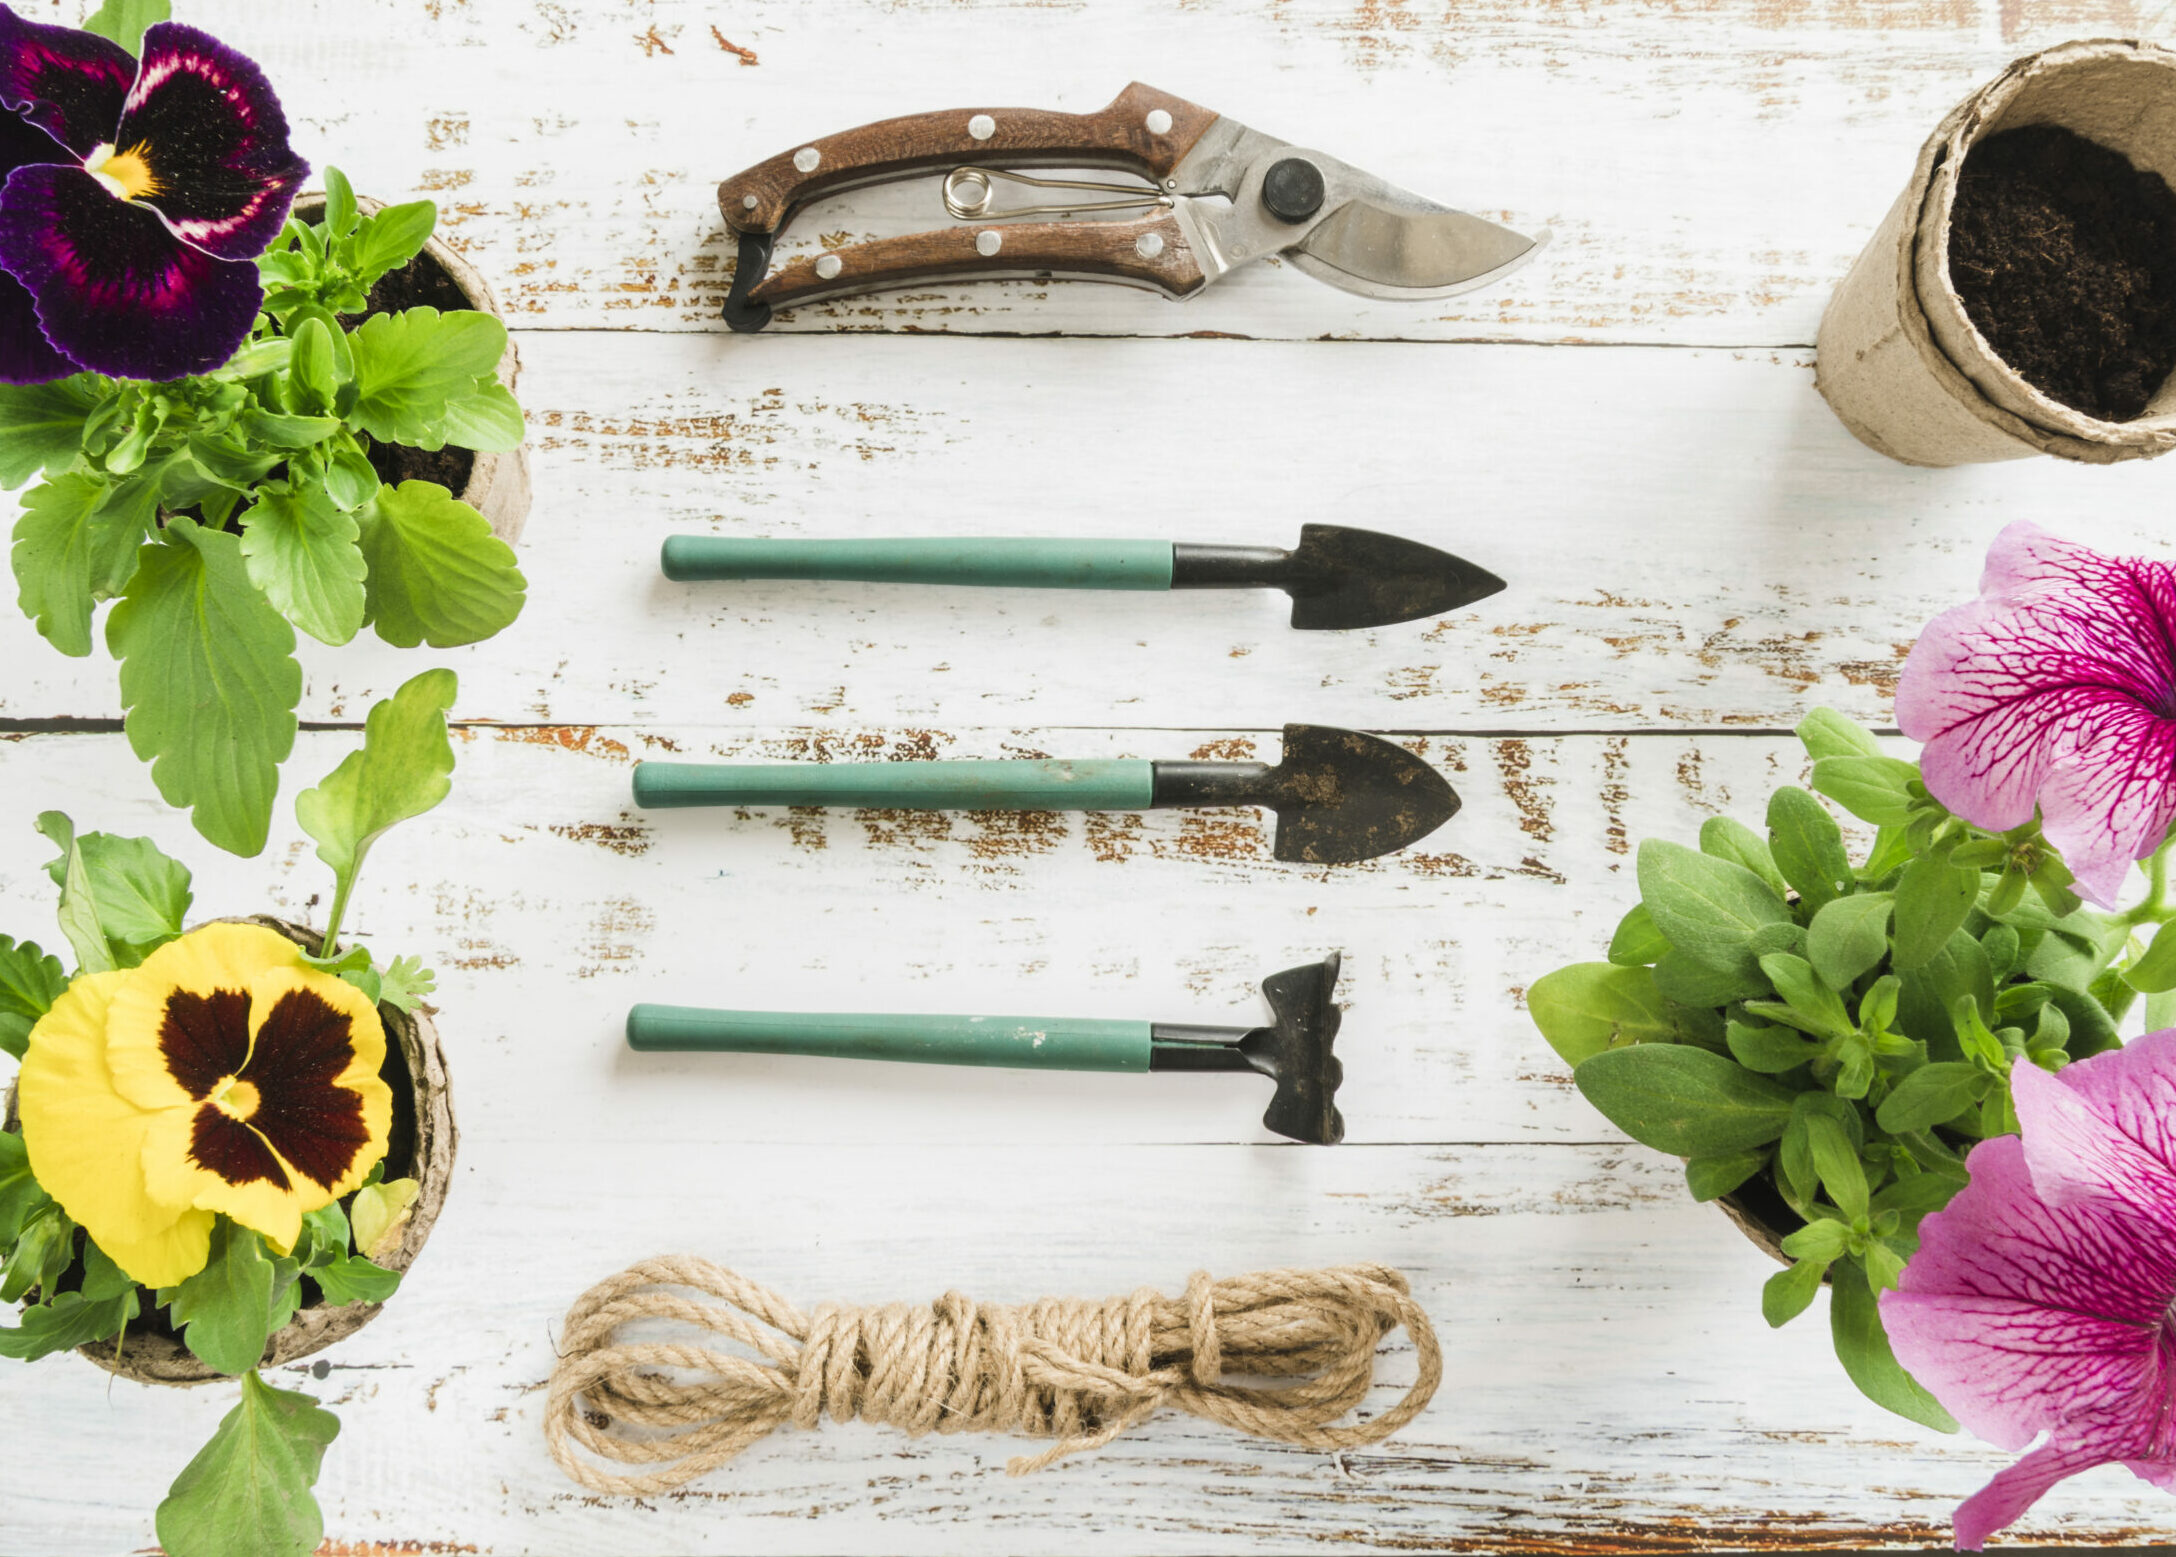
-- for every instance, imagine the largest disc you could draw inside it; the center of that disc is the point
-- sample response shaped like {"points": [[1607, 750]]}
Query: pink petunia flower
{"points": [[2056, 689], [2040, 1301], [137, 197]]}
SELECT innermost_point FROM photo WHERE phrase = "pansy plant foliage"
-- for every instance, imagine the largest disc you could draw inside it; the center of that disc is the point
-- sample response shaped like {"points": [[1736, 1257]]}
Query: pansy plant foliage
{"points": [[204, 1119], [204, 391]]}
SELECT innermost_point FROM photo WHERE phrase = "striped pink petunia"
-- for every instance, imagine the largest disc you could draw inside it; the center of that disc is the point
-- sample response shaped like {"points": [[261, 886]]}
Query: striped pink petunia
{"points": [[2039, 1305], [2055, 689]]}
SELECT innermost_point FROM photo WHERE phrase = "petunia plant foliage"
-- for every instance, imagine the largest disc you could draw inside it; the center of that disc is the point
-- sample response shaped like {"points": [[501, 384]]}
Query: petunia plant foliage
{"points": [[204, 1126], [1833, 1032], [207, 394]]}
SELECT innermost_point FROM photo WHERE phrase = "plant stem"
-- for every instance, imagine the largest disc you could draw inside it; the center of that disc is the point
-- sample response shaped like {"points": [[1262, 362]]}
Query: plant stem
{"points": [[341, 889], [2155, 908]]}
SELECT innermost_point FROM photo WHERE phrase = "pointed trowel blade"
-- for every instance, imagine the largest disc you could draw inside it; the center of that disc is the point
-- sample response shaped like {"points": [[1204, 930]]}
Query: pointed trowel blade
{"points": [[1342, 796], [1379, 250], [1345, 578]]}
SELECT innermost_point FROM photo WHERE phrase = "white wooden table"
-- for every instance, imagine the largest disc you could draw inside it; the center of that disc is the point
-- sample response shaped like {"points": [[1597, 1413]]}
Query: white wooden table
{"points": [[1627, 431]]}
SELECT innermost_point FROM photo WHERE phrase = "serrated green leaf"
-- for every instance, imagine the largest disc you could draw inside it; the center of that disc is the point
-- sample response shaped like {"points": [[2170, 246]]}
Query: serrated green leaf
{"points": [[301, 550], [139, 896], [225, 1309], [1848, 937], [1788, 1293], [30, 981], [1862, 1346], [392, 237], [1807, 846], [1933, 900], [124, 21], [209, 679], [1637, 943], [1682, 1100], [1591, 1006], [350, 1279], [1709, 909], [410, 365], [41, 425], [406, 983], [73, 548], [1827, 733], [247, 1492], [1709, 1178], [437, 573], [403, 769], [486, 419], [65, 1321], [1870, 788]]}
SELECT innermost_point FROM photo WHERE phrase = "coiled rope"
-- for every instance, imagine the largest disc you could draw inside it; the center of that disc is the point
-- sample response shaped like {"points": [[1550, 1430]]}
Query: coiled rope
{"points": [[1078, 1371]]}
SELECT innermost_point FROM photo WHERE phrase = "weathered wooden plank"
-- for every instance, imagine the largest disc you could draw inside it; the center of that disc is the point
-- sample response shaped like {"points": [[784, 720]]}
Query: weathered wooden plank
{"points": [[1691, 539], [1610, 1386], [1708, 169]]}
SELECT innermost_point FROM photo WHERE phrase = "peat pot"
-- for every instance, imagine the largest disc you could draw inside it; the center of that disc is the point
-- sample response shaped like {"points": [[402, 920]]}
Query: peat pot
{"points": [[420, 1146], [1898, 359], [496, 485]]}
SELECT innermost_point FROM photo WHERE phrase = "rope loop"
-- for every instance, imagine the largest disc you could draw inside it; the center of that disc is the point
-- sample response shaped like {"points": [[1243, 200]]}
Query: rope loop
{"points": [[1080, 1372]]}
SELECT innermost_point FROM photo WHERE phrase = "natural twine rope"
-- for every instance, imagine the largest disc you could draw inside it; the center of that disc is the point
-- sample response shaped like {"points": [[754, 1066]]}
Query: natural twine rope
{"points": [[1081, 1372]]}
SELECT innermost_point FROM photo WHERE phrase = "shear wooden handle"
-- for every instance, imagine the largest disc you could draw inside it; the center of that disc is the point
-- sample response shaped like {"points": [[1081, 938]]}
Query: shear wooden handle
{"points": [[1143, 131], [1151, 252]]}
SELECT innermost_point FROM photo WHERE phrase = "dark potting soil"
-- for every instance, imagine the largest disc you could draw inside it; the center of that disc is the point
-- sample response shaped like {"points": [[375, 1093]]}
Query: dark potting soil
{"points": [[2064, 254], [421, 283]]}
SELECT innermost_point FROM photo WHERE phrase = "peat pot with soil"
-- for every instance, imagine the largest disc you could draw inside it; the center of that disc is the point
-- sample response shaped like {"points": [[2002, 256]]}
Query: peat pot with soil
{"points": [[2020, 296]]}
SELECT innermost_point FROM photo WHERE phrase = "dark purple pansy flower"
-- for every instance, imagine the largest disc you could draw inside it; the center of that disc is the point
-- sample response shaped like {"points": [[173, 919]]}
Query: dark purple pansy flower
{"points": [[137, 198], [2055, 689], [2042, 1300]]}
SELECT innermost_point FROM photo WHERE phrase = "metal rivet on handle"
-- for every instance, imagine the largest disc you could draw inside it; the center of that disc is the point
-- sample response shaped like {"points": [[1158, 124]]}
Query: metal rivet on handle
{"points": [[807, 158], [829, 265], [1159, 122], [1149, 245], [988, 242], [982, 127], [748, 202]]}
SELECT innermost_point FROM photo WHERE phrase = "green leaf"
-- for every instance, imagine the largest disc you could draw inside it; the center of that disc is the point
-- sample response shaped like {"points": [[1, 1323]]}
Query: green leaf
{"points": [[1769, 1050], [2092, 1030], [1694, 984], [226, 462], [65, 1321], [1863, 1348], [1822, 1240], [1870, 788], [1849, 937], [1826, 733], [302, 552], [1726, 838], [289, 432], [1933, 900], [1709, 909], [1930, 993], [124, 21], [226, 1308], [350, 479], [1788, 1293], [406, 983], [1884, 1266], [41, 425], [1807, 846], [45, 1246], [1916, 1196], [139, 897], [209, 679], [409, 365], [73, 548], [247, 1492], [437, 573], [2154, 973], [350, 1279], [30, 981], [1836, 1163], [392, 238], [1819, 1008], [339, 204], [354, 966], [486, 419], [313, 385], [78, 908], [403, 769], [1637, 943], [1931, 1095], [21, 1196], [1708, 1178], [1591, 1006], [1683, 1100]]}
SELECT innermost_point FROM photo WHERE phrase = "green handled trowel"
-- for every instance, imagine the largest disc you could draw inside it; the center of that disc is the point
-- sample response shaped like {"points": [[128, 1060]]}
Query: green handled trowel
{"points": [[1339, 795], [1338, 577], [1294, 1050]]}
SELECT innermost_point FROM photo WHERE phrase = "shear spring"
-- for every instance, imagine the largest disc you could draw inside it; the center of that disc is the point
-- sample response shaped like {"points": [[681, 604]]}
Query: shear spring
{"points": [[967, 193]]}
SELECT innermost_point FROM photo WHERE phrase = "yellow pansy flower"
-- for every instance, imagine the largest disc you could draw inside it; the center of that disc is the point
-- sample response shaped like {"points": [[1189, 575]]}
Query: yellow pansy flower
{"points": [[224, 1074]]}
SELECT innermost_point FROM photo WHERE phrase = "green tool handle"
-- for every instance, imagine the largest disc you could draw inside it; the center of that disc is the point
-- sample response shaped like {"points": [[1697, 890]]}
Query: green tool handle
{"points": [[1022, 1042], [1017, 563], [1124, 785]]}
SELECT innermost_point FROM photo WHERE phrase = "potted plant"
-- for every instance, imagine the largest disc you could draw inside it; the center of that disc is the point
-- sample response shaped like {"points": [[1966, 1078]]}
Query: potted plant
{"points": [[235, 426], [225, 1143], [1824, 1033]]}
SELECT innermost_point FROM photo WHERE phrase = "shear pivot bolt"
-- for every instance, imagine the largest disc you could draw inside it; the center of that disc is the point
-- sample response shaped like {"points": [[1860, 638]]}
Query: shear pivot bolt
{"points": [[807, 158], [988, 242], [1149, 245], [828, 266], [748, 202], [1292, 190], [982, 127], [1159, 122]]}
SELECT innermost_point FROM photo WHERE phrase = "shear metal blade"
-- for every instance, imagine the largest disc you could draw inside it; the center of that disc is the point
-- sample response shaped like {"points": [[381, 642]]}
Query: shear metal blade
{"points": [[1380, 250]]}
